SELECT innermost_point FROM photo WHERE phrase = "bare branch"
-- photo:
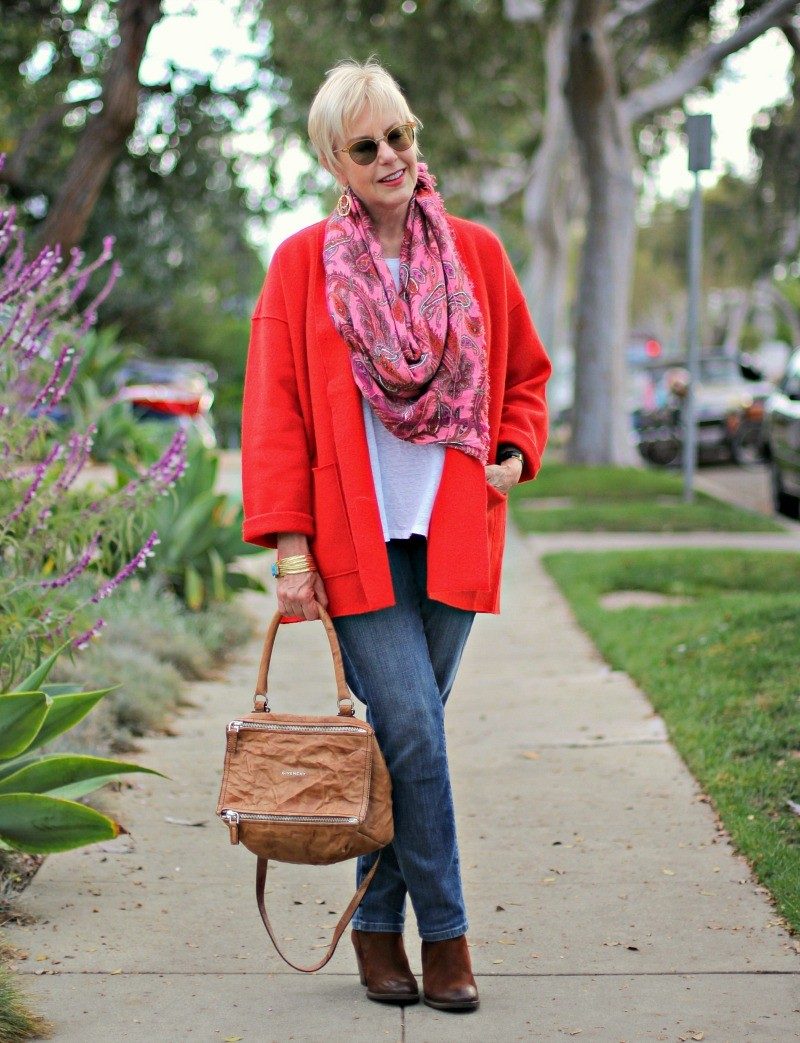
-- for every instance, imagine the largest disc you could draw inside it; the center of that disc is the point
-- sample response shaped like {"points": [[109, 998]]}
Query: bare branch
{"points": [[694, 69]]}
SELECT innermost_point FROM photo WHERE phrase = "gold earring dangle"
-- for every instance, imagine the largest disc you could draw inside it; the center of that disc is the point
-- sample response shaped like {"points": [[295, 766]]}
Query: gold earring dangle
{"points": [[343, 204]]}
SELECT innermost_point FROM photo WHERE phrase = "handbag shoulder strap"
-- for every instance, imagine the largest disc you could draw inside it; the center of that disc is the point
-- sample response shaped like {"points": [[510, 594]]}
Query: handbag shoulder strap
{"points": [[346, 707], [344, 920]]}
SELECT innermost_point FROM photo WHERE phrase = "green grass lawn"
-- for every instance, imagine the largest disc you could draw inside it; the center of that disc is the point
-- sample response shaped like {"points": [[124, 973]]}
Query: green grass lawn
{"points": [[722, 670], [622, 499]]}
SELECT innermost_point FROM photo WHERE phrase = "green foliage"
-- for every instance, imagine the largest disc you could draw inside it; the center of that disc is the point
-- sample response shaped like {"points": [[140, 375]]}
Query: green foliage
{"points": [[38, 812], [53, 533], [149, 692], [40, 824], [722, 671], [200, 533], [91, 401], [173, 200], [150, 646], [776, 140]]}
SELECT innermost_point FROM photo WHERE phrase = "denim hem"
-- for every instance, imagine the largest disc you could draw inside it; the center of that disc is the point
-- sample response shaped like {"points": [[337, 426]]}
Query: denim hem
{"points": [[397, 928], [446, 934]]}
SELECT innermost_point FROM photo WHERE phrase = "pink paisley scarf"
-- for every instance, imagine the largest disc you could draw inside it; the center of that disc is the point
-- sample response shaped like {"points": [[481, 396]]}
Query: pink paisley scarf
{"points": [[419, 356]]}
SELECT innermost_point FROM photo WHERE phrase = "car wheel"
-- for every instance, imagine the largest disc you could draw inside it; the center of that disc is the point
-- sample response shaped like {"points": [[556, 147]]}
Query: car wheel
{"points": [[783, 502], [666, 453]]}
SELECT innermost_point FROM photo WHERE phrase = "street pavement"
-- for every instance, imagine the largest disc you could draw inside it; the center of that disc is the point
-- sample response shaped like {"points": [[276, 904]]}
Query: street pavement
{"points": [[605, 902]]}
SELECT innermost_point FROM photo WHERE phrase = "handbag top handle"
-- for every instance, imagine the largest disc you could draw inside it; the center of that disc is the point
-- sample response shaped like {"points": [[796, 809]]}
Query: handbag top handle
{"points": [[344, 702]]}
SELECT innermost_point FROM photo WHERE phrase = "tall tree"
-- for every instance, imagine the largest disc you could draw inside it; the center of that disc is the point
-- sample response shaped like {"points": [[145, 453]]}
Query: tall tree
{"points": [[604, 116], [106, 132]]}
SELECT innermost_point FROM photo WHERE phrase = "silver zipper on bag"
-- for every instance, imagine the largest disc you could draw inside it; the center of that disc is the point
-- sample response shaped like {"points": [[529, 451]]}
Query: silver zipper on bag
{"points": [[233, 818], [236, 726]]}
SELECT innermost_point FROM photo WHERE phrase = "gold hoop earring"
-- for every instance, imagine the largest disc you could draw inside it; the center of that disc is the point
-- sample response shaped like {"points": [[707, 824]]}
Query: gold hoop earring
{"points": [[343, 204]]}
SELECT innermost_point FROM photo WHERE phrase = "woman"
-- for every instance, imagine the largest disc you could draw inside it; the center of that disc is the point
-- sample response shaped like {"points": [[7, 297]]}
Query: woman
{"points": [[394, 394]]}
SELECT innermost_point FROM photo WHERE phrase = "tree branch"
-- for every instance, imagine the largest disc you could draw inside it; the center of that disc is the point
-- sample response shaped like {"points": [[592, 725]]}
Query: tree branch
{"points": [[15, 172], [694, 69], [105, 134]]}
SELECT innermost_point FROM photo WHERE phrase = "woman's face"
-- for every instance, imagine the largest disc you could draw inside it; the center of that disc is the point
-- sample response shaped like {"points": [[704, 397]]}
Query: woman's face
{"points": [[386, 186]]}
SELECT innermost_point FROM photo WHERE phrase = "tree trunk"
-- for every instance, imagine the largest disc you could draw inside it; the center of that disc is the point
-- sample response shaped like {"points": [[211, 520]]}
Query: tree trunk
{"points": [[106, 133], [600, 423], [550, 193]]}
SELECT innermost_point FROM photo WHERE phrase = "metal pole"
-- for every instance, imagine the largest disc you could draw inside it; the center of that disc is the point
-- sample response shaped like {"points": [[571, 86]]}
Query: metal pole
{"points": [[693, 331]]}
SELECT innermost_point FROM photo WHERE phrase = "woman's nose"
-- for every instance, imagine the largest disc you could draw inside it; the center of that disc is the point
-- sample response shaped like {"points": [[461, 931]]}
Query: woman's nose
{"points": [[386, 154]]}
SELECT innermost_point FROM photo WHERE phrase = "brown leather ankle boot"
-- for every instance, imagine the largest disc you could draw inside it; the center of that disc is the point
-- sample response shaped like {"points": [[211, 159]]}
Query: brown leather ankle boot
{"points": [[447, 981], [383, 967]]}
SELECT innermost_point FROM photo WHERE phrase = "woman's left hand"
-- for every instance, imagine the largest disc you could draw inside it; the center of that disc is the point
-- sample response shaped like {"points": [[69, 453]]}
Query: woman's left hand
{"points": [[505, 475]]}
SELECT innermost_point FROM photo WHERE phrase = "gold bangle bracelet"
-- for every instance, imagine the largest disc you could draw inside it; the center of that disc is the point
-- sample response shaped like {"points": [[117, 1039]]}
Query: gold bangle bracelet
{"points": [[294, 564]]}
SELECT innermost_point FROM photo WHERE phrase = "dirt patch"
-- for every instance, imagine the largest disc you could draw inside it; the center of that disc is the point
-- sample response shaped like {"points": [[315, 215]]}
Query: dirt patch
{"points": [[17, 869], [640, 599]]}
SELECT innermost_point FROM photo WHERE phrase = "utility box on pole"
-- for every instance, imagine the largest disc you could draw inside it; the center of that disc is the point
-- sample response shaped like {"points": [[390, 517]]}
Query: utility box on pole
{"points": [[699, 131]]}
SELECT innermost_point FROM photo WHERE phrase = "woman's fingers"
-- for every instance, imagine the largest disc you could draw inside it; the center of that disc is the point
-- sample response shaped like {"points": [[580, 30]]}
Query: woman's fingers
{"points": [[319, 590], [504, 476], [298, 595]]}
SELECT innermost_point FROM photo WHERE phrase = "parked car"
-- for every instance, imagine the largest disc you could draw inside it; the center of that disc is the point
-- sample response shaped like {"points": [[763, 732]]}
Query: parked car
{"points": [[782, 440], [173, 391], [729, 411]]}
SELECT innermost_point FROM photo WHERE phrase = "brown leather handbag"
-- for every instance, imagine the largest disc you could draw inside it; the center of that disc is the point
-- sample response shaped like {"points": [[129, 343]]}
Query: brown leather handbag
{"points": [[309, 790]]}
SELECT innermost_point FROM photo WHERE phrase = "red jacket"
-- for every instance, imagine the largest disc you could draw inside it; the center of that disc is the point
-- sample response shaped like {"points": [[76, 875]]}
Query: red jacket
{"points": [[305, 460]]}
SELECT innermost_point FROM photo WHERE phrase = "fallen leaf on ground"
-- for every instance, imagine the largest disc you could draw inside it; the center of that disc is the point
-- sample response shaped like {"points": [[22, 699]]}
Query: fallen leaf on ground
{"points": [[531, 755], [669, 872]]}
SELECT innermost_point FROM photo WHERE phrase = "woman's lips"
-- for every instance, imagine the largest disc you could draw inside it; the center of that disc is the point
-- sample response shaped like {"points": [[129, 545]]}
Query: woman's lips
{"points": [[393, 179]]}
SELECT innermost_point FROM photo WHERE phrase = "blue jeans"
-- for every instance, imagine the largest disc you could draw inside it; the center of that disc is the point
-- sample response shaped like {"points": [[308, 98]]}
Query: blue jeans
{"points": [[401, 663]]}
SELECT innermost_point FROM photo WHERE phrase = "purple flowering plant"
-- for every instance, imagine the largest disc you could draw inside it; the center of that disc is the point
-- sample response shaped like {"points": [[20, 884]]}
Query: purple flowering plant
{"points": [[61, 540]]}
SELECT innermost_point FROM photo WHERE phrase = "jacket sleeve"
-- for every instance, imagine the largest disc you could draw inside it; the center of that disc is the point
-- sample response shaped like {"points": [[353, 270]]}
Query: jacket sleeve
{"points": [[523, 419], [276, 468]]}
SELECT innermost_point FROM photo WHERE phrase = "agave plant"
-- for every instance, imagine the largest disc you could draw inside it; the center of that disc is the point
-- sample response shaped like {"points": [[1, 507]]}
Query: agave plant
{"points": [[200, 534], [38, 809]]}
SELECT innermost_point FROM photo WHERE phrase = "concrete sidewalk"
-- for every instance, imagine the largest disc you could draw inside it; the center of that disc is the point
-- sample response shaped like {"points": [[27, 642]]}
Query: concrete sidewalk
{"points": [[604, 902]]}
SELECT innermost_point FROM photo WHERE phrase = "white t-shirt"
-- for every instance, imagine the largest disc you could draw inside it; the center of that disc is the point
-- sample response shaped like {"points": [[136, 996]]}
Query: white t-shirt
{"points": [[406, 475]]}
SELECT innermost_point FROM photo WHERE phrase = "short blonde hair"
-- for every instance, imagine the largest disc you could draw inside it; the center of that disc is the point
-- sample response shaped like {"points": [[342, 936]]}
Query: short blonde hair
{"points": [[349, 88]]}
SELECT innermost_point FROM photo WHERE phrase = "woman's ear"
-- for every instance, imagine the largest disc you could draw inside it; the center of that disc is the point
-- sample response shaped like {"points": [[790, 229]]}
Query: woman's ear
{"points": [[335, 170]]}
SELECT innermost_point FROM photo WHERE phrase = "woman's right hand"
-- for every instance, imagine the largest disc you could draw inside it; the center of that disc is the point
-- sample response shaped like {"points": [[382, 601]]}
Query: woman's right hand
{"points": [[298, 594]]}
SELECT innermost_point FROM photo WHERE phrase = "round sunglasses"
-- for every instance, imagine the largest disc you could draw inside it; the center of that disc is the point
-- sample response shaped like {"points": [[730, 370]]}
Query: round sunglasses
{"points": [[365, 150]]}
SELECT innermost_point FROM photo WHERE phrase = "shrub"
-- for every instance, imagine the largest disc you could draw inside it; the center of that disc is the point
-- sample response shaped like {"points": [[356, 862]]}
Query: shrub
{"points": [[52, 534]]}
